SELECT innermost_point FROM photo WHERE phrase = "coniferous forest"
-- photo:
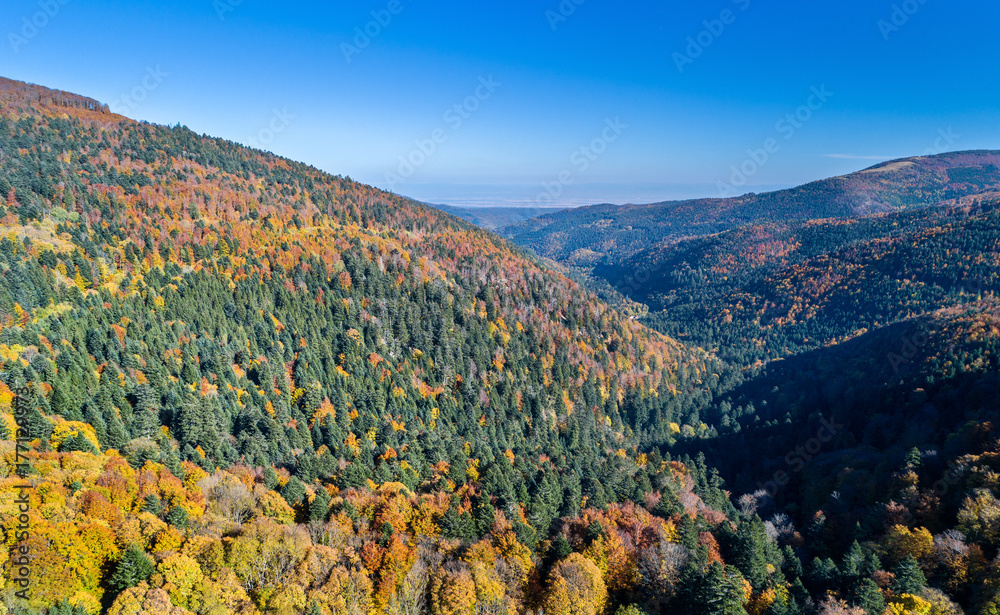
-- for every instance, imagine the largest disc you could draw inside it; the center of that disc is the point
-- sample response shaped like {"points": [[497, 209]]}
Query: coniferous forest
{"points": [[233, 383]]}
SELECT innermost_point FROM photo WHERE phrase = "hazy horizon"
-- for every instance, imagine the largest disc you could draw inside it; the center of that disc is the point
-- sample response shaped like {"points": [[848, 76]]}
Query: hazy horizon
{"points": [[528, 195], [662, 102]]}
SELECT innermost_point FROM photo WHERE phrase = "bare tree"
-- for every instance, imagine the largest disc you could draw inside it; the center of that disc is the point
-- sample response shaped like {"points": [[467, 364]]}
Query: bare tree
{"points": [[779, 527], [660, 568], [229, 497], [832, 606], [411, 595], [758, 502]]}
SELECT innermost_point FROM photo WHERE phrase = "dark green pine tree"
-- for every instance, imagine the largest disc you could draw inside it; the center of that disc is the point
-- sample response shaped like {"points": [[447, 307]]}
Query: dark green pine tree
{"points": [[816, 533], [63, 607], [597, 496], [483, 514], [270, 478], [117, 435], [190, 373], [750, 552], [850, 568], [823, 573], [62, 405], [720, 591], [293, 492], [319, 508], [688, 532], [792, 565], [455, 525], [38, 426], [869, 597], [178, 517], [560, 549], [77, 442], [799, 594], [132, 568], [145, 412], [153, 505], [910, 578], [594, 531], [784, 604], [545, 503], [871, 565], [669, 504]]}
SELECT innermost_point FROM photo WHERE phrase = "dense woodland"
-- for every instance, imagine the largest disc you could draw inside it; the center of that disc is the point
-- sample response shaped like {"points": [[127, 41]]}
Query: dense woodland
{"points": [[253, 387], [763, 292]]}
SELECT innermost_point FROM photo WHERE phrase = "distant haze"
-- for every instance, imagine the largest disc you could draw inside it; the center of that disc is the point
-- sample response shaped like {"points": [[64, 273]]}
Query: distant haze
{"points": [[535, 195]]}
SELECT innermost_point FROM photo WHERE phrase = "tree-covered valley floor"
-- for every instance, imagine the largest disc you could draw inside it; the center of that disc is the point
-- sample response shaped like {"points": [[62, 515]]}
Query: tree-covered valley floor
{"points": [[248, 386]]}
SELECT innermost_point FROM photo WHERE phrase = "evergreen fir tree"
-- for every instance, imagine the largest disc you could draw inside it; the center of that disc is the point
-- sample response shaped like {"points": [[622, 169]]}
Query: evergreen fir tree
{"points": [[132, 568], [293, 491], [869, 597], [669, 504], [270, 478], [178, 517], [483, 514], [319, 508], [749, 552], [910, 578], [153, 505]]}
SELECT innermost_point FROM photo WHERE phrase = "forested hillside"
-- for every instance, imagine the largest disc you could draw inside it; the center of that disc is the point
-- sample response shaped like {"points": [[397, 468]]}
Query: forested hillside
{"points": [[860, 313], [183, 300], [768, 291], [232, 383], [587, 235]]}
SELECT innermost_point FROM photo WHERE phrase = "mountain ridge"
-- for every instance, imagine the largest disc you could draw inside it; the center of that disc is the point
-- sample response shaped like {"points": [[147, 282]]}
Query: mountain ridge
{"points": [[617, 231]]}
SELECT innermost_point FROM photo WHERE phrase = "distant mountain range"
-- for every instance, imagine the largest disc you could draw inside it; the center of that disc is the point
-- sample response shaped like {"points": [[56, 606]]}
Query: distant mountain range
{"points": [[494, 218], [586, 235]]}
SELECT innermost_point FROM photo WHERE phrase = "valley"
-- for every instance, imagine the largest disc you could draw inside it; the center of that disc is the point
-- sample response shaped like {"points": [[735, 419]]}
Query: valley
{"points": [[245, 385]]}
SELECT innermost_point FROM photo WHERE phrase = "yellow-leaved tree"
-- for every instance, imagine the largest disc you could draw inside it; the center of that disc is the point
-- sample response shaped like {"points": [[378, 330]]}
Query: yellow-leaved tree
{"points": [[575, 588]]}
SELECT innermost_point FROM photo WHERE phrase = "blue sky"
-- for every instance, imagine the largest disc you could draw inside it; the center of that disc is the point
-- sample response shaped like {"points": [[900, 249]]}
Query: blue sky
{"points": [[559, 103]]}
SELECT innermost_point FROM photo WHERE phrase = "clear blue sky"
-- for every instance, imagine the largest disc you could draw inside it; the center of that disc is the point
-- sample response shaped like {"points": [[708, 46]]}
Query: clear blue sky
{"points": [[560, 82]]}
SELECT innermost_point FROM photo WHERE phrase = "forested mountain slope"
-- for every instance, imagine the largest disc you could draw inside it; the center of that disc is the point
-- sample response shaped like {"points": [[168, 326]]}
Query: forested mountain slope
{"points": [[587, 235], [191, 304], [229, 295], [861, 311], [768, 291]]}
